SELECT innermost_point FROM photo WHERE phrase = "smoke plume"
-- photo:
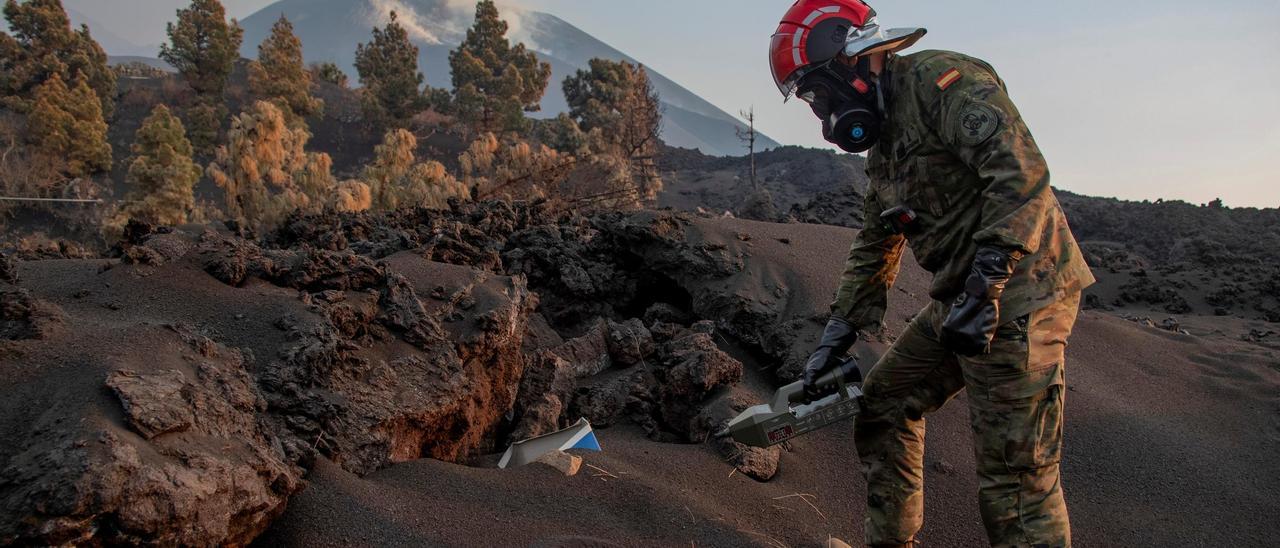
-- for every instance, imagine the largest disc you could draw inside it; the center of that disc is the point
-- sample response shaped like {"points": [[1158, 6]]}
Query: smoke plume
{"points": [[445, 21]]}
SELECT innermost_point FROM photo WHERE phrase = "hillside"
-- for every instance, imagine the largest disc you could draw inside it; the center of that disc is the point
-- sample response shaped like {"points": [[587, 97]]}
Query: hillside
{"points": [[331, 29]]}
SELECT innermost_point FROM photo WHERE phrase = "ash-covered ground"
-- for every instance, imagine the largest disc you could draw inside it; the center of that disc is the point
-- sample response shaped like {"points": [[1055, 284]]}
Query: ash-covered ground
{"points": [[350, 380], [1170, 264]]}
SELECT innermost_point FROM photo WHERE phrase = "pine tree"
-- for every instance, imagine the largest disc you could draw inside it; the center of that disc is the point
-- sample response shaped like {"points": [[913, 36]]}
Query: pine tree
{"points": [[388, 69], [351, 196], [50, 126], [43, 44], [12, 69], [561, 133], [204, 122], [279, 74], [513, 170], [397, 180], [615, 103], [67, 123], [204, 48], [162, 175], [495, 83], [314, 179], [265, 171], [329, 72]]}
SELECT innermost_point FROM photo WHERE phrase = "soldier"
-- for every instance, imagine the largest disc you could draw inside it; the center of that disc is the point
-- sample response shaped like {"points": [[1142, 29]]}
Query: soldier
{"points": [[957, 177]]}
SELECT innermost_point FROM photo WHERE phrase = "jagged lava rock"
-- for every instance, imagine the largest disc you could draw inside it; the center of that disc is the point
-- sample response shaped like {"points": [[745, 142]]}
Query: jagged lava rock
{"points": [[178, 399]]}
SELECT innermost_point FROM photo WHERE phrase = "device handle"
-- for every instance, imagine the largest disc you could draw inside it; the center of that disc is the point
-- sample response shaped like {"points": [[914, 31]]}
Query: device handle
{"points": [[839, 378], [784, 396]]}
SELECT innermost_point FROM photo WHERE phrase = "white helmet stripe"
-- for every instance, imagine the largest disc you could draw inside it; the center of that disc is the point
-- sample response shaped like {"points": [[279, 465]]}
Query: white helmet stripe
{"points": [[818, 13]]}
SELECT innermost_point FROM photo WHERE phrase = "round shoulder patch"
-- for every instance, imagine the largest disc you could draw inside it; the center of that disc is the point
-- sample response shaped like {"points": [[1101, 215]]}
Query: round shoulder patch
{"points": [[977, 123]]}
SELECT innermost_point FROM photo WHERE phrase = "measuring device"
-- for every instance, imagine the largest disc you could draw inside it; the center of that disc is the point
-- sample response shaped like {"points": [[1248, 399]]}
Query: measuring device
{"points": [[788, 415]]}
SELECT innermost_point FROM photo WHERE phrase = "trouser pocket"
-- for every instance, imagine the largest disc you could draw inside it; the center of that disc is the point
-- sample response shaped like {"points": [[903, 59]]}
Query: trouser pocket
{"points": [[1017, 419], [1016, 403]]}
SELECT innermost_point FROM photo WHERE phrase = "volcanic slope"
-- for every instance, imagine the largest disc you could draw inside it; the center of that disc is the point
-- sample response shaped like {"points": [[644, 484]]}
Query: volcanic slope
{"points": [[331, 29], [1171, 440]]}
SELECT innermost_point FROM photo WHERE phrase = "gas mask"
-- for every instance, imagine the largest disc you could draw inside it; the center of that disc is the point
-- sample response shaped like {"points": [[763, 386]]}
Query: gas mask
{"points": [[848, 103]]}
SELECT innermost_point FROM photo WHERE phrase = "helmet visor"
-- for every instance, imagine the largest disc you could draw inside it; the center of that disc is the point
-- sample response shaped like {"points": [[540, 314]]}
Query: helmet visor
{"points": [[785, 62], [789, 86], [872, 38]]}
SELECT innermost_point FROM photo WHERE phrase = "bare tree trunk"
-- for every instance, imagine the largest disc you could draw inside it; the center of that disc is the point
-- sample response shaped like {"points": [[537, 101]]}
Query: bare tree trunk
{"points": [[748, 137]]}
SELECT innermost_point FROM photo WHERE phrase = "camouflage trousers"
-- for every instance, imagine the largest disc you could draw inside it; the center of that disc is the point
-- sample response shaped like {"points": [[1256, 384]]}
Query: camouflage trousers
{"points": [[1015, 396]]}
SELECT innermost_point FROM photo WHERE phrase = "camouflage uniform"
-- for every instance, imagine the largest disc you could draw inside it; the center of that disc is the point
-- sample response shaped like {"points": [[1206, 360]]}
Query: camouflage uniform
{"points": [[956, 151]]}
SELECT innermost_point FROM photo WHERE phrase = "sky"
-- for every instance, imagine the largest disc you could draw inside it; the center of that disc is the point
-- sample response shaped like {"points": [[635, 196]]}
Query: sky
{"points": [[1140, 99]]}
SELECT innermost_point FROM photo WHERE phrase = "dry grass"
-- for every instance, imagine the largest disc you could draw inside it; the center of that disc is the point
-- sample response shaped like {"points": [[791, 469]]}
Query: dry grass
{"points": [[601, 473], [805, 497]]}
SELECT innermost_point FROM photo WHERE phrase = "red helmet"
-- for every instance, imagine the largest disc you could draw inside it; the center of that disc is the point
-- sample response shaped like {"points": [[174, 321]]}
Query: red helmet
{"points": [[816, 31]]}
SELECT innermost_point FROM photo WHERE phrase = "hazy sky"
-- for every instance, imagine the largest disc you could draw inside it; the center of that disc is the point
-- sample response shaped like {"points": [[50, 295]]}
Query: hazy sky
{"points": [[1135, 99]]}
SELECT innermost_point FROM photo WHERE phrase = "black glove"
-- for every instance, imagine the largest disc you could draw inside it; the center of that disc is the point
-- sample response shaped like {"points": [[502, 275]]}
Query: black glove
{"points": [[838, 337], [971, 325]]}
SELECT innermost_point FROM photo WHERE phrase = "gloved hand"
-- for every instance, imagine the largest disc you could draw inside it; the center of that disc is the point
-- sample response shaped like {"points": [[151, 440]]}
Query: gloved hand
{"points": [[837, 338], [975, 315]]}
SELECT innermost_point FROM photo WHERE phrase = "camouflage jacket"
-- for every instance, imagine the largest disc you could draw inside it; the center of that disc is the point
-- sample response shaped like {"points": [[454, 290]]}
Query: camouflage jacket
{"points": [[955, 151]]}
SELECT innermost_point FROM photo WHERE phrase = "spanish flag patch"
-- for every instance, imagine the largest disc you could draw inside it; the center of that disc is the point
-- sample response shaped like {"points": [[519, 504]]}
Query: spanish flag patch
{"points": [[949, 77]]}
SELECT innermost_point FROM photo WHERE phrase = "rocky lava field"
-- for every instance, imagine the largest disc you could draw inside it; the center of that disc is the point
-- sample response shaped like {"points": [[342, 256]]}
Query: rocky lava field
{"points": [[350, 379]]}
